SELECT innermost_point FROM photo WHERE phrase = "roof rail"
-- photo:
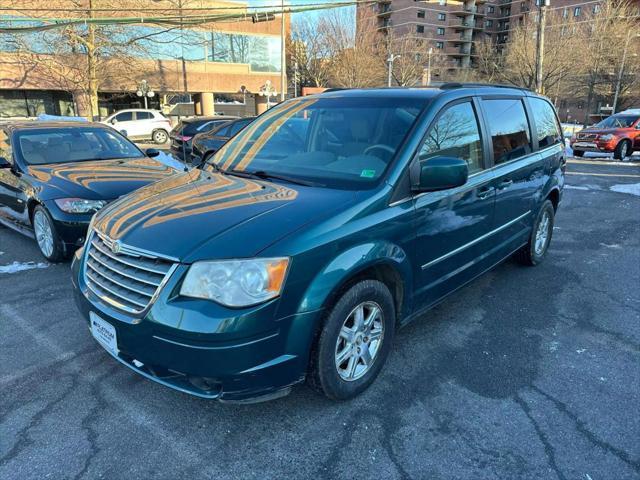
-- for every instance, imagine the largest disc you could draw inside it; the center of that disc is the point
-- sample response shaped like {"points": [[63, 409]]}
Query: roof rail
{"points": [[452, 85]]}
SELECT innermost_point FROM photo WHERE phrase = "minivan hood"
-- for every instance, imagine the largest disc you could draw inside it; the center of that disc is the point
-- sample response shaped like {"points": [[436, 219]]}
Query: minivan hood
{"points": [[204, 215], [99, 179]]}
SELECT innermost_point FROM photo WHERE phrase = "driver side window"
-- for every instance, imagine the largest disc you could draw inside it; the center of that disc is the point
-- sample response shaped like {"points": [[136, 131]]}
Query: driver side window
{"points": [[455, 134]]}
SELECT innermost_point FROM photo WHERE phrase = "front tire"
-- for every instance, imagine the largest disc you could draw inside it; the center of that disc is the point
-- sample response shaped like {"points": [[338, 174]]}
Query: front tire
{"points": [[160, 137], [47, 238], [354, 342], [536, 248], [622, 150]]}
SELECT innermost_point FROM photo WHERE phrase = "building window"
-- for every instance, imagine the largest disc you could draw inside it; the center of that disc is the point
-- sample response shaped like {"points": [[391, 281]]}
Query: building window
{"points": [[442, 2], [420, 28], [420, 13], [442, 17], [577, 11], [490, 9], [596, 8], [488, 23], [440, 31], [565, 13], [440, 45]]}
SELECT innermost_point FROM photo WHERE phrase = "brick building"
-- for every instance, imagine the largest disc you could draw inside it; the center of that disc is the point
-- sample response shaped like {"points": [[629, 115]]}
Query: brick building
{"points": [[219, 66]]}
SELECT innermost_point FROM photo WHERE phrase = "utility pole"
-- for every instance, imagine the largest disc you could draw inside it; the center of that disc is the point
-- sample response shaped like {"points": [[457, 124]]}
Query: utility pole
{"points": [[392, 58], [283, 58], [295, 79], [429, 53], [621, 71], [542, 13]]}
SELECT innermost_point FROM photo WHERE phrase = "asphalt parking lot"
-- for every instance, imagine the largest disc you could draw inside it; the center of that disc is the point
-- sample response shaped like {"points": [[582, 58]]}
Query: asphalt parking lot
{"points": [[527, 373]]}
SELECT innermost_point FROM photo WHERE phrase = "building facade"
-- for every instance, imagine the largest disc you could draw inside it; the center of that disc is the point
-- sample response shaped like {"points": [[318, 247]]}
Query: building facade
{"points": [[203, 66]]}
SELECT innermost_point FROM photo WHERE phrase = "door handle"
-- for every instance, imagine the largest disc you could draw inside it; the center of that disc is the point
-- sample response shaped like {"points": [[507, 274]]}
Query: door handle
{"points": [[485, 192], [505, 184]]}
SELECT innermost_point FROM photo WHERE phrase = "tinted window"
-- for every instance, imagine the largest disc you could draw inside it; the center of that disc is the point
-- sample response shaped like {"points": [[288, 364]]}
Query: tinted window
{"points": [[144, 116], [509, 129], [343, 142], [546, 123], [455, 134], [618, 121], [236, 127], [61, 145], [124, 116]]}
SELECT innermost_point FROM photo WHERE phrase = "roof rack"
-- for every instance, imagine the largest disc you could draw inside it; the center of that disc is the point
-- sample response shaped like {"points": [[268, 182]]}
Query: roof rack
{"points": [[452, 85]]}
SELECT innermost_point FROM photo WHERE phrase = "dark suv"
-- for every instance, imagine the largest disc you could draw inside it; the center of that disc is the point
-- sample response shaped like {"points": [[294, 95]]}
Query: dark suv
{"points": [[293, 256]]}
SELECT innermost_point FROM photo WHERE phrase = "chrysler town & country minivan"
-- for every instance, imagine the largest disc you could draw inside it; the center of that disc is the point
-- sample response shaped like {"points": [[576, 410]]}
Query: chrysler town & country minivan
{"points": [[291, 256]]}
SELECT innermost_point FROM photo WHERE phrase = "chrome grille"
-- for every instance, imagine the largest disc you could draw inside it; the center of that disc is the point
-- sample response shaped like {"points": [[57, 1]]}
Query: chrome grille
{"points": [[587, 136], [122, 276]]}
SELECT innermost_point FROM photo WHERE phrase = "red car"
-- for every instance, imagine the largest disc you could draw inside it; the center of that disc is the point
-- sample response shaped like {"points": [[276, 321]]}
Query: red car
{"points": [[618, 134]]}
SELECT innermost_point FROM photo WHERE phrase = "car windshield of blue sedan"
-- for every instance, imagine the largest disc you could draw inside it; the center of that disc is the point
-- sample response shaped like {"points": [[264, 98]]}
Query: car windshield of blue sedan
{"points": [[332, 141], [74, 144]]}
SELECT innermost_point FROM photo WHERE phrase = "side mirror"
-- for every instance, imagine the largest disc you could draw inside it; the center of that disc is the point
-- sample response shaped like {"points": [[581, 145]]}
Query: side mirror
{"points": [[438, 173], [4, 163], [123, 133], [113, 121], [152, 152]]}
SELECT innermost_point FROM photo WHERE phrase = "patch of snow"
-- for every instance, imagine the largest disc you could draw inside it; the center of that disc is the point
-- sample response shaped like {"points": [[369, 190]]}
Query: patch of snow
{"points": [[630, 188], [170, 161], [614, 245], [16, 267], [581, 350], [576, 187]]}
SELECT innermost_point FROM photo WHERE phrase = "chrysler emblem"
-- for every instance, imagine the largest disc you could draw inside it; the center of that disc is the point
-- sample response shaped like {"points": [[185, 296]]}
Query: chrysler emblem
{"points": [[116, 246]]}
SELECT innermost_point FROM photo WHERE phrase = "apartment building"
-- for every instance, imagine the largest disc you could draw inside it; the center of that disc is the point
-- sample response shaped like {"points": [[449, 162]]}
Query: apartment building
{"points": [[453, 27], [190, 65]]}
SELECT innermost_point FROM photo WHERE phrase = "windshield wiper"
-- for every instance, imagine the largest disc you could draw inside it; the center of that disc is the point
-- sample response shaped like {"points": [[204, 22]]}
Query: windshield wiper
{"points": [[262, 175]]}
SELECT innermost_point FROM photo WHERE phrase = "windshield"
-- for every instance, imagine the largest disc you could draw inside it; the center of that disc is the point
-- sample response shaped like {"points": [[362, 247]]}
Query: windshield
{"points": [[618, 121], [333, 141], [75, 144], [192, 127]]}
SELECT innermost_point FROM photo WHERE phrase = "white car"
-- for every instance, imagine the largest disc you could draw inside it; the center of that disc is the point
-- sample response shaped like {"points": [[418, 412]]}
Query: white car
{"points": [[138, 123]]}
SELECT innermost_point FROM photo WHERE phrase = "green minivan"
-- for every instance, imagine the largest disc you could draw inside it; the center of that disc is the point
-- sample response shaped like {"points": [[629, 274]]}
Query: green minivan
{"points": [[298, 250]]}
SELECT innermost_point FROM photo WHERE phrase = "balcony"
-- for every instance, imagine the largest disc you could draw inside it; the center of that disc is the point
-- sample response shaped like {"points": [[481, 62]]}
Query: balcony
{"points": [[384, 9]]}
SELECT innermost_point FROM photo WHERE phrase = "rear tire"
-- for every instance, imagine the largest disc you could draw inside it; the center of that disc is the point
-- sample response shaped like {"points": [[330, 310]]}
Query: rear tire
{"points": [[622, 150], [536, 248], [47, 239], [578, 153], [160, 136], [354, 342]]}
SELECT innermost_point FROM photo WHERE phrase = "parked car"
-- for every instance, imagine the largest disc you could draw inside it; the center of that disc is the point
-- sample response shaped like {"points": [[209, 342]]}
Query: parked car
{"points": [[287, 258], [55, 175], [183, 133], [141, 124], [618, 134], [204, 145]]}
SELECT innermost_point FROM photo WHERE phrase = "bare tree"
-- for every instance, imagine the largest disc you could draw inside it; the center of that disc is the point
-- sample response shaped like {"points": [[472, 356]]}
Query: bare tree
{"points": [[413, 59], [309, 51]]}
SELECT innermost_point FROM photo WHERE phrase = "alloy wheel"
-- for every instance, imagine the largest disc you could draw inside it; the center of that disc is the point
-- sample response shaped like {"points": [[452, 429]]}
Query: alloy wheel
{"points": [[160, 137], [542, 233], [44, 234], [359, 341], [623, 151]]}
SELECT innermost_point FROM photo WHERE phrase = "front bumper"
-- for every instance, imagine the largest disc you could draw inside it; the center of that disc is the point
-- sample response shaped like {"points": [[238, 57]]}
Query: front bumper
{"points": [[593, 146], [204, 349], [72, 227]]}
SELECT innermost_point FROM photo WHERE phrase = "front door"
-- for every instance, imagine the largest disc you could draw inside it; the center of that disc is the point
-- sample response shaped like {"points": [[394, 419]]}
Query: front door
{"points": [[519, 172], [125, 124], [453, 225]]}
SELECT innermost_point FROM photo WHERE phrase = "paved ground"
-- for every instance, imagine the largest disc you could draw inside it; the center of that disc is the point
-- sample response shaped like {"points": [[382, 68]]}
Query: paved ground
{"points": [[526, 373]]}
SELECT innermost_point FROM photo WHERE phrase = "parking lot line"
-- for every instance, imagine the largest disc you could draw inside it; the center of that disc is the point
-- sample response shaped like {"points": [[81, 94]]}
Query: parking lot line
{"points": [[596, 162], [629, 175]]}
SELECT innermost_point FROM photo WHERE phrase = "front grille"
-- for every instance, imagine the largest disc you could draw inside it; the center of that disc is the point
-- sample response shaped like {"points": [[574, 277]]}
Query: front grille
{"points": [[587, 136], [123, 277]]}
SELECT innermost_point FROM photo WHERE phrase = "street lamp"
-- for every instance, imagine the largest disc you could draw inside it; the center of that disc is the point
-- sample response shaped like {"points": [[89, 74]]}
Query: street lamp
{"points": [[621, 71], [268, 91], [392, 58], [144, 90]]}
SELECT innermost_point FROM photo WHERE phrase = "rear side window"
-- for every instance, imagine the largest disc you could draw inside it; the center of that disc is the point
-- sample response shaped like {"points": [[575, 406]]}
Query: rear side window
{"points": [[509, 129], [236, 127], [144, 116], [124, 117], [547, 128], [455, 134]]}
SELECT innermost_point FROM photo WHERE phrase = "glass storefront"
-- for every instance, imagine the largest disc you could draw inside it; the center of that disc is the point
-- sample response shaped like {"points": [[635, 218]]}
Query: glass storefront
{"points": [[31, 103]]}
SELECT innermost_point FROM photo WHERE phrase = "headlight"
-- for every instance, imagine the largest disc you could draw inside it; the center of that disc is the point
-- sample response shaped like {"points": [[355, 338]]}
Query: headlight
{"points": [[236, 283], [79, 205], [606, 138]]}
